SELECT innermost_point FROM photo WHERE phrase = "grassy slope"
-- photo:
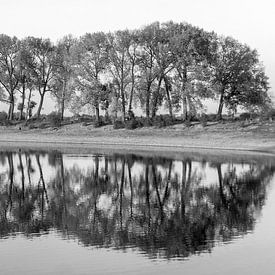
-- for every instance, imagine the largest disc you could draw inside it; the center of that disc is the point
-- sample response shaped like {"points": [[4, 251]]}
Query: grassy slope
{"points": [[229, 135]]}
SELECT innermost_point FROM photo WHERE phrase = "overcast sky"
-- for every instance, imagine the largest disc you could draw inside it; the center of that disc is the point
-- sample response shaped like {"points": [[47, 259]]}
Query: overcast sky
{"points": [[249, 21]]}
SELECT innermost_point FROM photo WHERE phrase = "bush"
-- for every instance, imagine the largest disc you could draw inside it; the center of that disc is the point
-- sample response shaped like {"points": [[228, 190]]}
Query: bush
{"points": [[42, 125], [211, 117], [247, 116], [55, 119], [118, 124], [203, 120], [269, 115], [98, 123], [146, 122], [132, 124], [3, 116], [187, 123], [162, 121]]}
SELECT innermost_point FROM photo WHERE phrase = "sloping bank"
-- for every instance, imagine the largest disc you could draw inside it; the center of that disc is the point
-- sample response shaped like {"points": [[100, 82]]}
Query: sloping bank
{"points": [[151, 140]]}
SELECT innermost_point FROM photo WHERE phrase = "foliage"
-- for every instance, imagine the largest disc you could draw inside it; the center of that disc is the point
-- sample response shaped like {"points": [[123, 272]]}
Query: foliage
{"points": [[171, 65], [3, 116], [118, 124], [55, 119]]}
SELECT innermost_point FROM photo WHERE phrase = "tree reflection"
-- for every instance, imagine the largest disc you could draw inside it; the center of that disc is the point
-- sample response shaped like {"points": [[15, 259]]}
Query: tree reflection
{"points": [[158, 205]]}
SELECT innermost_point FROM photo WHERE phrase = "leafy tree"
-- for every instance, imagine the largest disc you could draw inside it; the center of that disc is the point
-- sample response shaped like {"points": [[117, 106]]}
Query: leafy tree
{"points": [[237, 76], [43, 52], [26, 79], [63, 73], [147, 65], [92, 59], [190, 47], [9, 49], [120, 64]]}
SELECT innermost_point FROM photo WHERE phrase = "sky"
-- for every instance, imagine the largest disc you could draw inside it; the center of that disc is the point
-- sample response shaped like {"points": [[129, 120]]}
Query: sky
{"points": [[249, 21]]}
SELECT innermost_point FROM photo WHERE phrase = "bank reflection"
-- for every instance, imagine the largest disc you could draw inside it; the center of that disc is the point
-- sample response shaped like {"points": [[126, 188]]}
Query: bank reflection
{"points": [[161, 207]]}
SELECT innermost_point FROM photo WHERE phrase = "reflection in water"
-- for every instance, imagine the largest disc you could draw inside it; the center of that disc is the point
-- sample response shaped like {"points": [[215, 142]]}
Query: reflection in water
{"points": [[162, 207]]}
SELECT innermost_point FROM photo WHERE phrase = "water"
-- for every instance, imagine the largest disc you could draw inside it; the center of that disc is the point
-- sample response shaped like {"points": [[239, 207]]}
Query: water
{"points": [[136, 214]]}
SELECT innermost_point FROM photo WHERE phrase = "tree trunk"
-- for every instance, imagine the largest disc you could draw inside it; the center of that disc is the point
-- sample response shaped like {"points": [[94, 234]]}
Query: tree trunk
{"points": [[62, 109], [156, 97], [23, 103], [40, 105], [184, 108], [28, 111], [131, 92], [170, 108], [123, 104], [221, 103], [11, 108], [97, 112], [147, 106]]}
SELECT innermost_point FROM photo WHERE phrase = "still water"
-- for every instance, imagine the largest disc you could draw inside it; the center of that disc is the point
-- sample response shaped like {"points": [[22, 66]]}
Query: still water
{"points": [[135, 214]]}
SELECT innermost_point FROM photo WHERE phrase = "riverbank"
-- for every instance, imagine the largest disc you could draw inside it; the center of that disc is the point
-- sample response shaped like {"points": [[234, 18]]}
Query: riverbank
{"points": [[235, 137]]}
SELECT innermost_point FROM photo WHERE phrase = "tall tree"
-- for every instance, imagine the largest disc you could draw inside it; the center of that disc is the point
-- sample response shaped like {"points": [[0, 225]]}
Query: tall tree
{"points": [[25, 77], [190, 46], [63, 73], [147, 65], [120, 64], [133, 58], [9, 49], [92, 55], [237, 76], [164, 63], [44, 57]]}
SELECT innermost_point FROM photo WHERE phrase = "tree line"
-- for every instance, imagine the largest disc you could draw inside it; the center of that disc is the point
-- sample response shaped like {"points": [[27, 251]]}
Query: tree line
{"points": [[170, 65]]}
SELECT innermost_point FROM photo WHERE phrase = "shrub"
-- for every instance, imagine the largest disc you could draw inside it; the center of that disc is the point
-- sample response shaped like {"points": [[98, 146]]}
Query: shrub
{"points": [[187, 123], [269, 115], [55, 119], [211, 117], [98, 123], [132, 124], [32, 126], [43, 125], [3, 116], [203, 120], [118, 124], [245, 116]]}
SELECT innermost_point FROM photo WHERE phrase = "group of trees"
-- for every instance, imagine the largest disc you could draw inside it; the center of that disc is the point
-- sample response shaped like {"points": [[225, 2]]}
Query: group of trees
{"points": [[163, 208], [170, 65]]}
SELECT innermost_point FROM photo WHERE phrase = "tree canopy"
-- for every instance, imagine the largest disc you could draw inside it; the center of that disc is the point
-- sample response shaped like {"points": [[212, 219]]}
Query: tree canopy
{"points": [[170, 65]]}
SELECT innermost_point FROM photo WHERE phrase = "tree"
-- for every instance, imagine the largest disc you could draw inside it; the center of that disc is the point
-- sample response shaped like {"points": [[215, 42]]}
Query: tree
{"points": [[9, 49], [164, 63], [63, 73], [190, 47], [147, 65], [26, 62], [92, 59], [133, 58], [237, 76], [43, 67], [120, 65]]}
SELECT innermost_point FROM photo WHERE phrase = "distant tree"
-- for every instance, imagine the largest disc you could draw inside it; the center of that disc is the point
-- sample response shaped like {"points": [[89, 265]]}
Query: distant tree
{"points": [[26, 62], [42, 70], [92, 59], [120, 64], [148, 70], [190, 47], [237, 75], [164, 63], [9, 49], [133, 58], [63, 72]]}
